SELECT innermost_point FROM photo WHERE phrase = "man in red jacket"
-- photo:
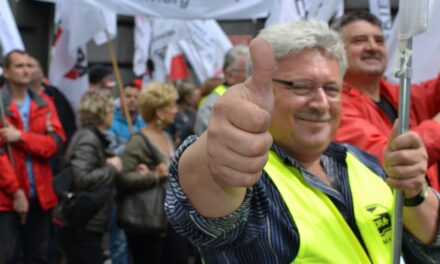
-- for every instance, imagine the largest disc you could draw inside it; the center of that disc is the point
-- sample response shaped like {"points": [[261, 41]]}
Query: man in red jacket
{"points": [[34, 133], [370, 103]]}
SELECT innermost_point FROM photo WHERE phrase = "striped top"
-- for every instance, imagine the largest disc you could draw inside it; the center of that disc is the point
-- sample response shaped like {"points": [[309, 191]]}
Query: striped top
{"points": [[262, 230]]}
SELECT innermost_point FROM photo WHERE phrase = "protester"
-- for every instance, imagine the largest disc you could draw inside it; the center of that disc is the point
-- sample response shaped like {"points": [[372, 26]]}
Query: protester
{"points": [[145, 160], [370, 103], [101, 79], [234, 69], [94, 167], [34, 133], [183, 125], [119, 134], [315, 201], [64, 110], [207, 87]]}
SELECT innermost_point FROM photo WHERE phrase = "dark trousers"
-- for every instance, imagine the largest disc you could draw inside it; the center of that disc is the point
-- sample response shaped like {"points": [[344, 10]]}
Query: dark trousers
{"points": [[9, 234], [33, 237], [154, 249], [81, 246]]}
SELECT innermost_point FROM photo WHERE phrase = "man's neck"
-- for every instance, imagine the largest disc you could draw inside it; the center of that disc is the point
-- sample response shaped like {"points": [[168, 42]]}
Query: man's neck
{"points": [[18, 93], [37, 87], [367, 84]]}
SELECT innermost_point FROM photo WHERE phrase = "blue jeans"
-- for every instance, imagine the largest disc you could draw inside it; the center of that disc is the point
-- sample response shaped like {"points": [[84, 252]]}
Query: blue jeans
{"points": [[118, 242]]}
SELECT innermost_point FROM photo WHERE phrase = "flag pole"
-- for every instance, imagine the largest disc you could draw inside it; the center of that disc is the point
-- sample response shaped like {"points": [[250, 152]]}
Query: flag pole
{"points": [[119, 83], [404, 75]]}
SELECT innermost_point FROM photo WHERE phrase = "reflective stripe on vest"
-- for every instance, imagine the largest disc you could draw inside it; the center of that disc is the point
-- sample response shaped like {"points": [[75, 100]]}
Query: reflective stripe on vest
{"points": [[325, 237], [220, 90]]}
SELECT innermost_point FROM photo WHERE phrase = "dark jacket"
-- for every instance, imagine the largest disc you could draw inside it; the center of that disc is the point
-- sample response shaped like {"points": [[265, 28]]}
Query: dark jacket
{"points": [[87, 155]]}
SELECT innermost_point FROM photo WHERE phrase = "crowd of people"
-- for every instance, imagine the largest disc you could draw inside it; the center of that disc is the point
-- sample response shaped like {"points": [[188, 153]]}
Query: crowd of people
{"points": [[289, 158]]}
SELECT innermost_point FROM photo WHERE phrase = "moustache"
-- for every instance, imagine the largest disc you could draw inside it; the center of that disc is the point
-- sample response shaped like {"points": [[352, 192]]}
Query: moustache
{"points": [[313, 116], [371, 56]]}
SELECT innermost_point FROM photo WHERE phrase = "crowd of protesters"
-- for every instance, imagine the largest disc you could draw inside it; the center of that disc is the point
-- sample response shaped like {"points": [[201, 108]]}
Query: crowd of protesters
{"points": [[117, 146]]}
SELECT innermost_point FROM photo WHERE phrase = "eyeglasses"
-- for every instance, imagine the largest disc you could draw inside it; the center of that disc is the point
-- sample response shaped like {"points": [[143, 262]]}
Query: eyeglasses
{"points": [[308, 88]]}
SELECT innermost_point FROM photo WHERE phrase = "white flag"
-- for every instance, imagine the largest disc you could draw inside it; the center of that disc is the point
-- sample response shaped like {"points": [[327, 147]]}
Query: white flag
{"points": [[142, 39], [295, 10], [10, 38], [381, 9], [425, 52], [77, 24], [286, 11]]}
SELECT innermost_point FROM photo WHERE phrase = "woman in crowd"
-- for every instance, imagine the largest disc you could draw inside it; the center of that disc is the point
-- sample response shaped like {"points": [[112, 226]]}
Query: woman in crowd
{"points": [[94, 168], [189, 97], [145, 160]]}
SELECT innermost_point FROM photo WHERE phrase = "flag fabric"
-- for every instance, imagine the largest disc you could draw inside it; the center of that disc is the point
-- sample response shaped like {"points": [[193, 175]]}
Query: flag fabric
{"points": [[425, 51], [142, 39], [184, 9], [175, 63], [294, 10], [10, 37], [76, 25], [381, 9]]}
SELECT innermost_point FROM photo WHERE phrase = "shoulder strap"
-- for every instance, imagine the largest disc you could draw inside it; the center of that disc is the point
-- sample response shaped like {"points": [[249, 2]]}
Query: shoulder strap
{"points": [[150, 147]]}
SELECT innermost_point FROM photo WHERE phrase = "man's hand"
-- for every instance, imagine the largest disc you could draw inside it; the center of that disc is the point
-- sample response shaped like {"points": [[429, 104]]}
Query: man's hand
{"points": [[10, 134], [237, 136], [406, 162], [20, 205]]}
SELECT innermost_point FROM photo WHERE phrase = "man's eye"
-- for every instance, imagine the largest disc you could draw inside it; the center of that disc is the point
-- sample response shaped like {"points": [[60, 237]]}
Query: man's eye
{"points": [[332, 90]]}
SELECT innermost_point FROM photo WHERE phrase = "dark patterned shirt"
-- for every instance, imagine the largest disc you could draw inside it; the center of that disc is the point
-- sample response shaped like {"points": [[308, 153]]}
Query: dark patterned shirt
{"points": [[262, 230]]}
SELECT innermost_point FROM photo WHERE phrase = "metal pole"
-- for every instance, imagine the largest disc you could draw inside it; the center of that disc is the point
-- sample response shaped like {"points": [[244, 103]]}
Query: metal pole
{"points": [[405, 75]]}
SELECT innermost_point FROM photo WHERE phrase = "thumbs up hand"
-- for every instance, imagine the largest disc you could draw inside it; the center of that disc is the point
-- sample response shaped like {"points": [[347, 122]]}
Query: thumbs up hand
{"points": [[237, 136]]}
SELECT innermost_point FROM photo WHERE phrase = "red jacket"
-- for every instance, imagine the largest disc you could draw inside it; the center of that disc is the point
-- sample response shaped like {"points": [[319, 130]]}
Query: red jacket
{"points": [[364, 125], [40, 142]]}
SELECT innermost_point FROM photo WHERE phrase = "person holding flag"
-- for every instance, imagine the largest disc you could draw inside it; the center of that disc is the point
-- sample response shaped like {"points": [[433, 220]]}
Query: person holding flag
{"points": [[270, 186], [369, 105]]}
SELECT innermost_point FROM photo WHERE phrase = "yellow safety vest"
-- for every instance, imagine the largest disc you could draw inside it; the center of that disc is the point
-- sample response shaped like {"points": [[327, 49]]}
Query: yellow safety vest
{"points": [[325, 237], [220, 90]]}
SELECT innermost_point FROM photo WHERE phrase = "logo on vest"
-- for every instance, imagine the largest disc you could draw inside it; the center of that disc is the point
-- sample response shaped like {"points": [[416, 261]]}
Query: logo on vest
{"points": [[382, 218]]}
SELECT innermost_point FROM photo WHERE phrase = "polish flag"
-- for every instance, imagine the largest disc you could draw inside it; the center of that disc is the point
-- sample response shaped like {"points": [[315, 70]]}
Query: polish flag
{"points": [[175, 63]]}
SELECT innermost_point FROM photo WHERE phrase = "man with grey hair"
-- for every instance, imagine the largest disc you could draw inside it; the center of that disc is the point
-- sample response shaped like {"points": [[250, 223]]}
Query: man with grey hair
{"points": [[234, 69], [265, 184]]}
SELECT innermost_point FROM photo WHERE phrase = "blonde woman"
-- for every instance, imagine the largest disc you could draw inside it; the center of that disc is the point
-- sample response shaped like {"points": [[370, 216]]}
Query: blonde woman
{"points": [[145, 161], [94, 167]]}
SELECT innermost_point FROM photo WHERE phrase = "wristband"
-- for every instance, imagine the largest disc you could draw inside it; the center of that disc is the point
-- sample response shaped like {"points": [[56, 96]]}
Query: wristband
{"points": [[419, 198]]}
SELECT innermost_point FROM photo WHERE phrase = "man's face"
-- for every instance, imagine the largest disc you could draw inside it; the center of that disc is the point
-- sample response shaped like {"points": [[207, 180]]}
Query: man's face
{"points": [[131, 98], [19, 71], [237, 74], [304, 125], [37, 75], [106, 85], [365, 46]]}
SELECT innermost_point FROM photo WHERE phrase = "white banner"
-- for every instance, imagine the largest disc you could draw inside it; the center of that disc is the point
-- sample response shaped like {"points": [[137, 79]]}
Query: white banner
{"points": [[186, 9], [294, 10], [10, 38], [381, 9]]}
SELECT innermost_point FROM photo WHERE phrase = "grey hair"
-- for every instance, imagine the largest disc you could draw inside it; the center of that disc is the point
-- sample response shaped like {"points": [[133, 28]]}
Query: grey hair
{"points": [[233, 54], [290, 38]]}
